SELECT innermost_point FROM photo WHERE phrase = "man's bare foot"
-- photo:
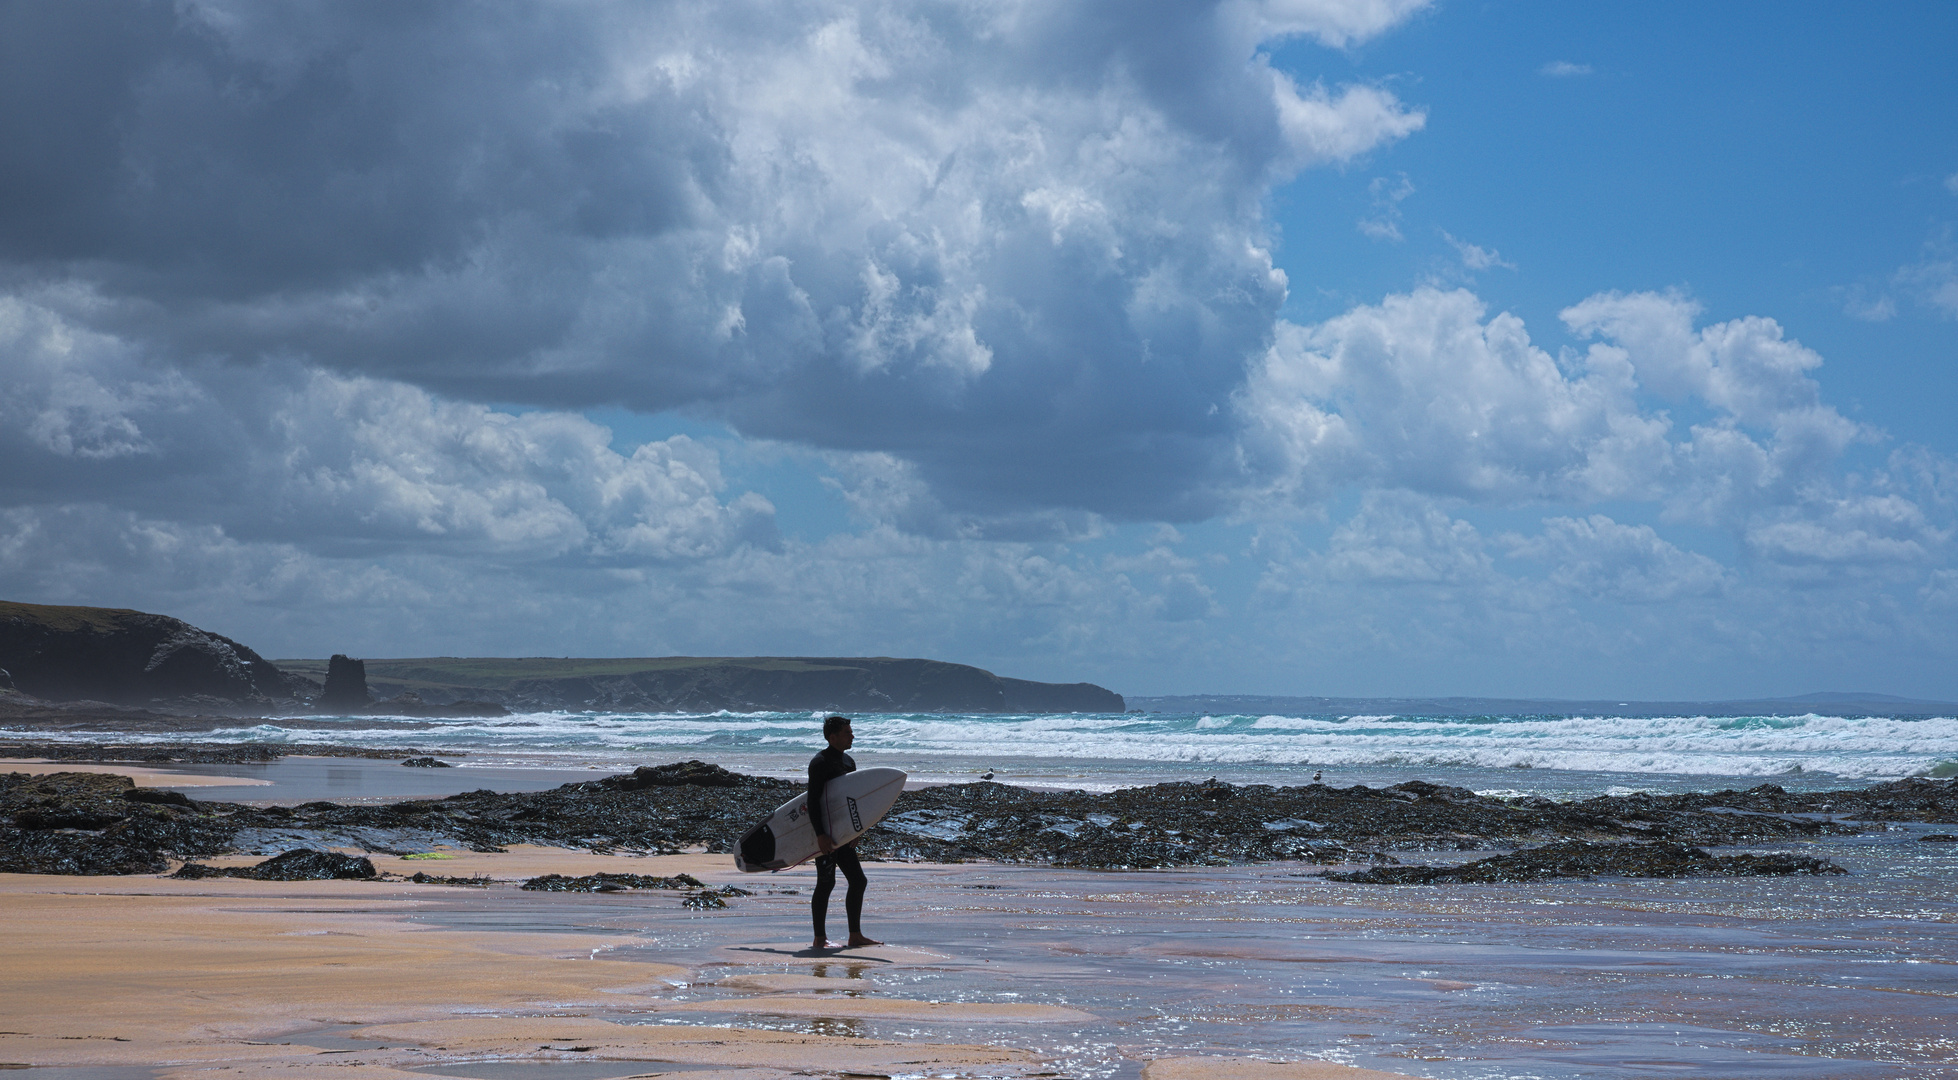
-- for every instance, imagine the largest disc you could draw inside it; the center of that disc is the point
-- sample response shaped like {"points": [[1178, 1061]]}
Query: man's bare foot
{"points": [[857, 940], [823, 944]]}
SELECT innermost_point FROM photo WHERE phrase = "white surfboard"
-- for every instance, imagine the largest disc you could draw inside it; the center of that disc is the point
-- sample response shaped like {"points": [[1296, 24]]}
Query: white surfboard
{"points": [[853, 802]]}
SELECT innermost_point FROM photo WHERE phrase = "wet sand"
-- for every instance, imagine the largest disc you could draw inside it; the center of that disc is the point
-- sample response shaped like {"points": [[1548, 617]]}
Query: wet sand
{"points": [[377, 979]]}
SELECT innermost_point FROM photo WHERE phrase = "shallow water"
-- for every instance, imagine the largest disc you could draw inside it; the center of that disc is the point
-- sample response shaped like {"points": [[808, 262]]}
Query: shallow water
{"points": [[1790, 977]]}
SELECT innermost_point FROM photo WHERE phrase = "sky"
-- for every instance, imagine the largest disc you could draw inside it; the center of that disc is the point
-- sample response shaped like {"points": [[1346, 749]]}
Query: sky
{"points": [[1329, 347]]}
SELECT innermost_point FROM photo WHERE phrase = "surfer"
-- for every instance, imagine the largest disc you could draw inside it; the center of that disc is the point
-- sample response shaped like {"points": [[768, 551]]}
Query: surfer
{"points": [[828, 764]]}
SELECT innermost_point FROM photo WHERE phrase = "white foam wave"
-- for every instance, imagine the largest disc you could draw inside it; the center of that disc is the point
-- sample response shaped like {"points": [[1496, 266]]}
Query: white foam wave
{"points": [[1849, 747]]}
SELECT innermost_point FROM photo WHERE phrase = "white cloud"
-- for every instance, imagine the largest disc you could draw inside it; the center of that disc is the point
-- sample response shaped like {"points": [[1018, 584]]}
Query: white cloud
{"points": [[1418, 392], [1951, 183], [1336, 23], [1476, 259], [1321, 128], [1398, 539], [1564, 69], [1387, 195], [1859, 303], [1605, 560]]}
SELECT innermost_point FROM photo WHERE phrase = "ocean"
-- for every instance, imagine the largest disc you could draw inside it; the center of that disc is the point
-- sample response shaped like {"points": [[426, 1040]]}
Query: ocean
{"points": [[1553, 756]]}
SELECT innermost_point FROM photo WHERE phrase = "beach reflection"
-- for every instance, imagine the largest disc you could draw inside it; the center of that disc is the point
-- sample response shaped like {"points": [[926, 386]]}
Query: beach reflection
{"points": [[1772, 977]]}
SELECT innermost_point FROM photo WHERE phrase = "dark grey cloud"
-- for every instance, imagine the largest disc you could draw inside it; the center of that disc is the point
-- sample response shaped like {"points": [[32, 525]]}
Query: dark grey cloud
{"points": [[1020, 246]]}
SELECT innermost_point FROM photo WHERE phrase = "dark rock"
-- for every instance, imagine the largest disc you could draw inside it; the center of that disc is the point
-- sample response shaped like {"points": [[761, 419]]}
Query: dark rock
{"points": [[704, 900], [608, 883], [1938, 838], [676, 774], [158, 797], [1587, 859], [64, 800], [426, 763], [346, 684], [44, 852], [421, 878], [301, 864], [694, 805], [120, 656]]}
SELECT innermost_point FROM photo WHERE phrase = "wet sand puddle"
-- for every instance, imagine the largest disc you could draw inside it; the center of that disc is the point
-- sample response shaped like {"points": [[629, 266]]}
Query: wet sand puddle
{"points": [[1097, 972]]}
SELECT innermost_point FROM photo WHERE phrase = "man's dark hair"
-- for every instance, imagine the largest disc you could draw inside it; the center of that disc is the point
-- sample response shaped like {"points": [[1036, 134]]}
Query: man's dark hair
{"points": [[832, 724]]}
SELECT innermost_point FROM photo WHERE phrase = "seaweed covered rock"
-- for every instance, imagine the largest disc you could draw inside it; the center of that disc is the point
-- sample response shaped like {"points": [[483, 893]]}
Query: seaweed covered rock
{"points": [[676, 774], [64, 800], [93, 823], [1588, 859], [300, 864], [24, 851], [608, 883]]}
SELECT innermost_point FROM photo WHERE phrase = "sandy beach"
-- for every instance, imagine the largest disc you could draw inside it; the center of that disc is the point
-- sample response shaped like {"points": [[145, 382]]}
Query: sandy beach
{"points": [[353, 979], [1259, 971]]}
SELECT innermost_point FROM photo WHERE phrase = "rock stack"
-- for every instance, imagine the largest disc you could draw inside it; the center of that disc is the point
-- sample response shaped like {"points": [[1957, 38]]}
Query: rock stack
{"points": [[346, 684]]}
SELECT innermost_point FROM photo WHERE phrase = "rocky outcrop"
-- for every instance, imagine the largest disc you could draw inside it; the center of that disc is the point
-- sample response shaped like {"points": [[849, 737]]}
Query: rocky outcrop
{"points": [[852, 684], [1591, 859], [300, 864], [767, 683], [131, 657], [1024, 696], [346, 684], [86, 823]]}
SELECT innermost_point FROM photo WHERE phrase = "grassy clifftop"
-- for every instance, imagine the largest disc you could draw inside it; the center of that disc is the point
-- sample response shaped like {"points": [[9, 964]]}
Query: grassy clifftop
{"points": [[503, 672], [741, 683], [64, 619]]}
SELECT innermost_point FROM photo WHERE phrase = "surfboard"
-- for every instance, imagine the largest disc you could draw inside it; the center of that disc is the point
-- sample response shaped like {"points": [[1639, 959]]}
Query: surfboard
{"points": [[853, 802]]}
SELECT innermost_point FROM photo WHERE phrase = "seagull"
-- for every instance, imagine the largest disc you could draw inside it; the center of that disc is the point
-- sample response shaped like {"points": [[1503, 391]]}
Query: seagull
{"points": [[986, 776], [1317, 775]]}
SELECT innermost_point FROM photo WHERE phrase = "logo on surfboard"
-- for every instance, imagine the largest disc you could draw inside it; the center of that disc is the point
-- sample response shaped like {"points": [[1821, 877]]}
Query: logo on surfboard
{"points": [[856, 822]]}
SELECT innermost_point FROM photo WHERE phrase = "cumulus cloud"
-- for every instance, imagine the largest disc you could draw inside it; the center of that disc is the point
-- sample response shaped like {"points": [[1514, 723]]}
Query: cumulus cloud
{"points": [[1429, 394], [953, 233], [304, 456], [1419, 392], [1564, 69], [1605, 560]]}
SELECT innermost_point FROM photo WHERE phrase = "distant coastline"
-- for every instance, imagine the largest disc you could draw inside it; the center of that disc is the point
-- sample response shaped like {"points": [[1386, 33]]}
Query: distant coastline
{"points": [[1838, 704]]}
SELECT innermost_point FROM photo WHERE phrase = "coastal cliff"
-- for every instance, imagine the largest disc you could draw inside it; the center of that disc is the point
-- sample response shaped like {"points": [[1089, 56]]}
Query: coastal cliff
{"points": [[134, 658], [738, 684], [131, 658]]}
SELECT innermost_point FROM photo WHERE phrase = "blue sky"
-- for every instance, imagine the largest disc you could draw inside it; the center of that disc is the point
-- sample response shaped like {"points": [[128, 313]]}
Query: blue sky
{"points": [[1369, 347]]}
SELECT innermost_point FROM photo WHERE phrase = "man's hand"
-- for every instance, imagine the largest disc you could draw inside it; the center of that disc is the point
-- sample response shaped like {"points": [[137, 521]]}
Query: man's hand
{"points": [[824, 844]]}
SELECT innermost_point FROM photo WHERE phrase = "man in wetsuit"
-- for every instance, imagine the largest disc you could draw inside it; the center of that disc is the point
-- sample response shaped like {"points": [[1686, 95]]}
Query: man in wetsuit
{"points": [[827, 765]]}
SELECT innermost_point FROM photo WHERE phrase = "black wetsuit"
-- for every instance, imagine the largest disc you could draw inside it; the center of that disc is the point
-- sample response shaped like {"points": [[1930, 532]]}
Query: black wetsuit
{"points": [[824, 767]]}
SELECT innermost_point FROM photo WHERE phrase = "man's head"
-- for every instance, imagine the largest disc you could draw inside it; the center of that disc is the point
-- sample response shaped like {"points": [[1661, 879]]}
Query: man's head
{"points": [[836, 729]]}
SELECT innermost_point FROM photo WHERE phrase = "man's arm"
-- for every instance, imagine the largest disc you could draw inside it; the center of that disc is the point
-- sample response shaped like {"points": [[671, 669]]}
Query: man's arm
{"points": [[819, 777]]}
